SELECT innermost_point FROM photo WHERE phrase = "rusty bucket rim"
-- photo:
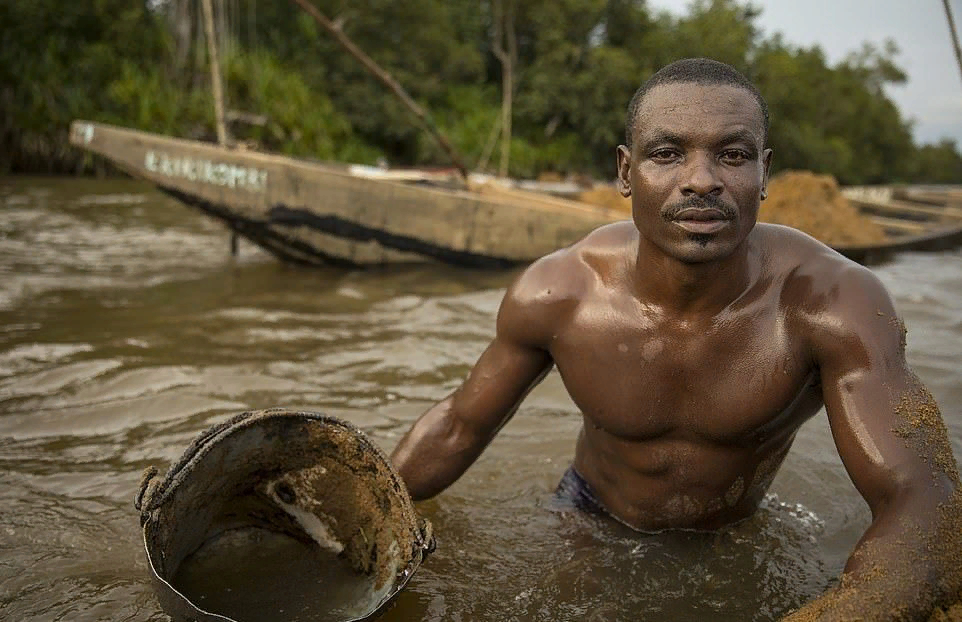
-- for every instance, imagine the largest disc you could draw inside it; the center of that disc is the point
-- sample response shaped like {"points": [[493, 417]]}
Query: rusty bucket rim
{"points": [[153, 494]]}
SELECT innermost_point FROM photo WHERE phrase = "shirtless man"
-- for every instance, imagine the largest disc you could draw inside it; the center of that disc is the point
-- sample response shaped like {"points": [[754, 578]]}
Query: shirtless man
{"points": [[695, 342]]}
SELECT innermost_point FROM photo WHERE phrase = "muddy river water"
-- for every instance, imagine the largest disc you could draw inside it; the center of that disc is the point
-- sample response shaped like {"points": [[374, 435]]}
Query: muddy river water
{"points": [[126, 329]]}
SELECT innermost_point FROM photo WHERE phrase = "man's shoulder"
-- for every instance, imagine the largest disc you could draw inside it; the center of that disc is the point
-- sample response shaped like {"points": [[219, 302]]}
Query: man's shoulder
{"points": [[822, 289], [568, 271], [795, 255], [554, 285]]}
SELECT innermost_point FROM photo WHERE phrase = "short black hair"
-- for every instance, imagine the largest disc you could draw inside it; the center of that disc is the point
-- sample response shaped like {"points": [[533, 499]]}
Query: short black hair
{"points": [[703, 71]]}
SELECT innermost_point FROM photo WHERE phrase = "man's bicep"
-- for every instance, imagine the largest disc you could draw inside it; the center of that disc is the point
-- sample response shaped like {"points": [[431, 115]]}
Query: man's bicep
{"points": [[886, 424], [499, 381], [518, 357], [889, 433]]}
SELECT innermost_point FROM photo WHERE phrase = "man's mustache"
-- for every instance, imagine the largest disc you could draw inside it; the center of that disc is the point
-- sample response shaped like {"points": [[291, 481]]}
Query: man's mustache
{"points": [[710, 201]]}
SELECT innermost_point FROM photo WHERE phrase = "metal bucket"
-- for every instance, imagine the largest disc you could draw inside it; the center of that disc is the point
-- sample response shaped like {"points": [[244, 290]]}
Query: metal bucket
{"points": [[313, 484]]}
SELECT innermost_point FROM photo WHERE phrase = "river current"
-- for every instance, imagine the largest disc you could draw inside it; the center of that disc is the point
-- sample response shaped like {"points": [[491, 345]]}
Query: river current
{"points": [[126, 329]]}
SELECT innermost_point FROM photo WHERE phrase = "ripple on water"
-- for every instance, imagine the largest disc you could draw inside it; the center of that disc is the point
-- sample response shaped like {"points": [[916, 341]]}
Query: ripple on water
{"points": [[27, 357], [68, 559], [109, 417], [52, 240]]}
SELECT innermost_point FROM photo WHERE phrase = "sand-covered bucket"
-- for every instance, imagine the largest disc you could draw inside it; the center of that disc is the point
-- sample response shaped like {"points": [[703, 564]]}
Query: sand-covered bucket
{"points": [[282, 516]]}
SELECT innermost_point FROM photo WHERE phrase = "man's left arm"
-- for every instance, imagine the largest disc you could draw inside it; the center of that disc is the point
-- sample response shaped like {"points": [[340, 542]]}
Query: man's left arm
{"points": [[894, 444]]}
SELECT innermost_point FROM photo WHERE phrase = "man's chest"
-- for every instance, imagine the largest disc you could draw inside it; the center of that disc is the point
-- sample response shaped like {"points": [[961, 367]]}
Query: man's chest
{"points": [[728, 383]]}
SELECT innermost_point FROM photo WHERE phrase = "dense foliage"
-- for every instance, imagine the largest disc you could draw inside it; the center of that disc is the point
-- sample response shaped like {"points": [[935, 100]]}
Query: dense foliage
{"points": [[143, 64]]}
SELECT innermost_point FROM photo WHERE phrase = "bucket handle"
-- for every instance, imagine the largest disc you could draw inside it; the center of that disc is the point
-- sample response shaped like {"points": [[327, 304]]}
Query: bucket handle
{"points": [[428, 542], [144, 501]]}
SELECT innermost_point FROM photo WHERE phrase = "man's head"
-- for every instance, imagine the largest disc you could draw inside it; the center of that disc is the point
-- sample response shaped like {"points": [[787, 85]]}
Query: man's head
{"points": [[703, 71], [696, 165]]}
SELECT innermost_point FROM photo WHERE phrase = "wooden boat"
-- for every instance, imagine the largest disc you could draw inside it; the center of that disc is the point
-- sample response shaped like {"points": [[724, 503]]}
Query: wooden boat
{"points": [[321, 213], [916, 218]]}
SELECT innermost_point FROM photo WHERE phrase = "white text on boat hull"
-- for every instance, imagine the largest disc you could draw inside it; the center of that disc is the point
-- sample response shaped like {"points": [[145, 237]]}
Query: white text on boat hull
{"points": [[206, 171]]}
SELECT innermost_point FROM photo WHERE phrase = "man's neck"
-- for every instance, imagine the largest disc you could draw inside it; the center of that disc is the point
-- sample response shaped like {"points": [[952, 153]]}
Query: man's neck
{"points": [[678, 287]]}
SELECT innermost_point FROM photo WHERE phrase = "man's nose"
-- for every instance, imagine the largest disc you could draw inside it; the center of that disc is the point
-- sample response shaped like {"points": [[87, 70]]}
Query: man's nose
{"points": [[701, 176]]}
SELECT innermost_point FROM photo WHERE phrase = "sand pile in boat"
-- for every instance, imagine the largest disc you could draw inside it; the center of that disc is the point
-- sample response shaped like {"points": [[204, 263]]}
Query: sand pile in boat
{"points": [[606, 196], [813, 204]]}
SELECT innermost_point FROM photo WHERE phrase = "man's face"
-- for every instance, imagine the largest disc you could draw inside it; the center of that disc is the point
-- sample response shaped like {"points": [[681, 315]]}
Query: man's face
{"points": [[696, 169]]}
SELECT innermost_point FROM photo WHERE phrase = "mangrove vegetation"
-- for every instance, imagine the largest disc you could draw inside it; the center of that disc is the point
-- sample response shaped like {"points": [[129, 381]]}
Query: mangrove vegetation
{"points": [[528, 88]]}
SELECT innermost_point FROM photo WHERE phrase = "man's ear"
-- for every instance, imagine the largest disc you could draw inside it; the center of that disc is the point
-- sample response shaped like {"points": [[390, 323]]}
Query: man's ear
{"points": [[766, 169], [624, 170]]}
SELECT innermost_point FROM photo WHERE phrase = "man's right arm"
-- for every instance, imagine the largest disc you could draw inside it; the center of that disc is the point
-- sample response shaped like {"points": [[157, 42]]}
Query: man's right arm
{"points": [[449, 437]]}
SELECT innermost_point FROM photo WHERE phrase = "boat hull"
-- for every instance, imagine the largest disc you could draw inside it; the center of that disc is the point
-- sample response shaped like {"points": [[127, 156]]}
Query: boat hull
{"points": [[314, 213]]}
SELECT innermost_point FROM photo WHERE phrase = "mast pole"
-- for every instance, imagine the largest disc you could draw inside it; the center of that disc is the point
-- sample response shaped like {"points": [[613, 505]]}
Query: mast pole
{"points": [[955, 35], [217, 87], [215, 75]]}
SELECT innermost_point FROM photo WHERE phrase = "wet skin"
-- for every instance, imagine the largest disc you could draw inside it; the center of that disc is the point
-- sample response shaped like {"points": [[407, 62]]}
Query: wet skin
{"points": [[695, 343]]}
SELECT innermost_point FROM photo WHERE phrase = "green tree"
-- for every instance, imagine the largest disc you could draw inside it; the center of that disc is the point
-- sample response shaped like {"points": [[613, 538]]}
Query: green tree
{"points": [[56, 61], [835, 120], [721, 29], [938, 163], [581, 61]]}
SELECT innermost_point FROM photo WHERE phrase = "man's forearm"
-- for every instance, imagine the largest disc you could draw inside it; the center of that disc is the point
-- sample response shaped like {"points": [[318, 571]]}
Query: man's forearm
{"points": [[436, 451], [905, 565]]}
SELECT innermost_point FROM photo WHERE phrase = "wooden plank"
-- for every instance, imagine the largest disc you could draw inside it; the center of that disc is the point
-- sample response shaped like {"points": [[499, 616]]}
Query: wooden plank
{"points": [[898, 224], [934, 197], [944, 238], [896, 207]]}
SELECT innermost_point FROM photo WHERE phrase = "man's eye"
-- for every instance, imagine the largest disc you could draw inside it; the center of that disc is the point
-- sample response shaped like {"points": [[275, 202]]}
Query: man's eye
{"points": [[735, 155], [663, 154]]}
